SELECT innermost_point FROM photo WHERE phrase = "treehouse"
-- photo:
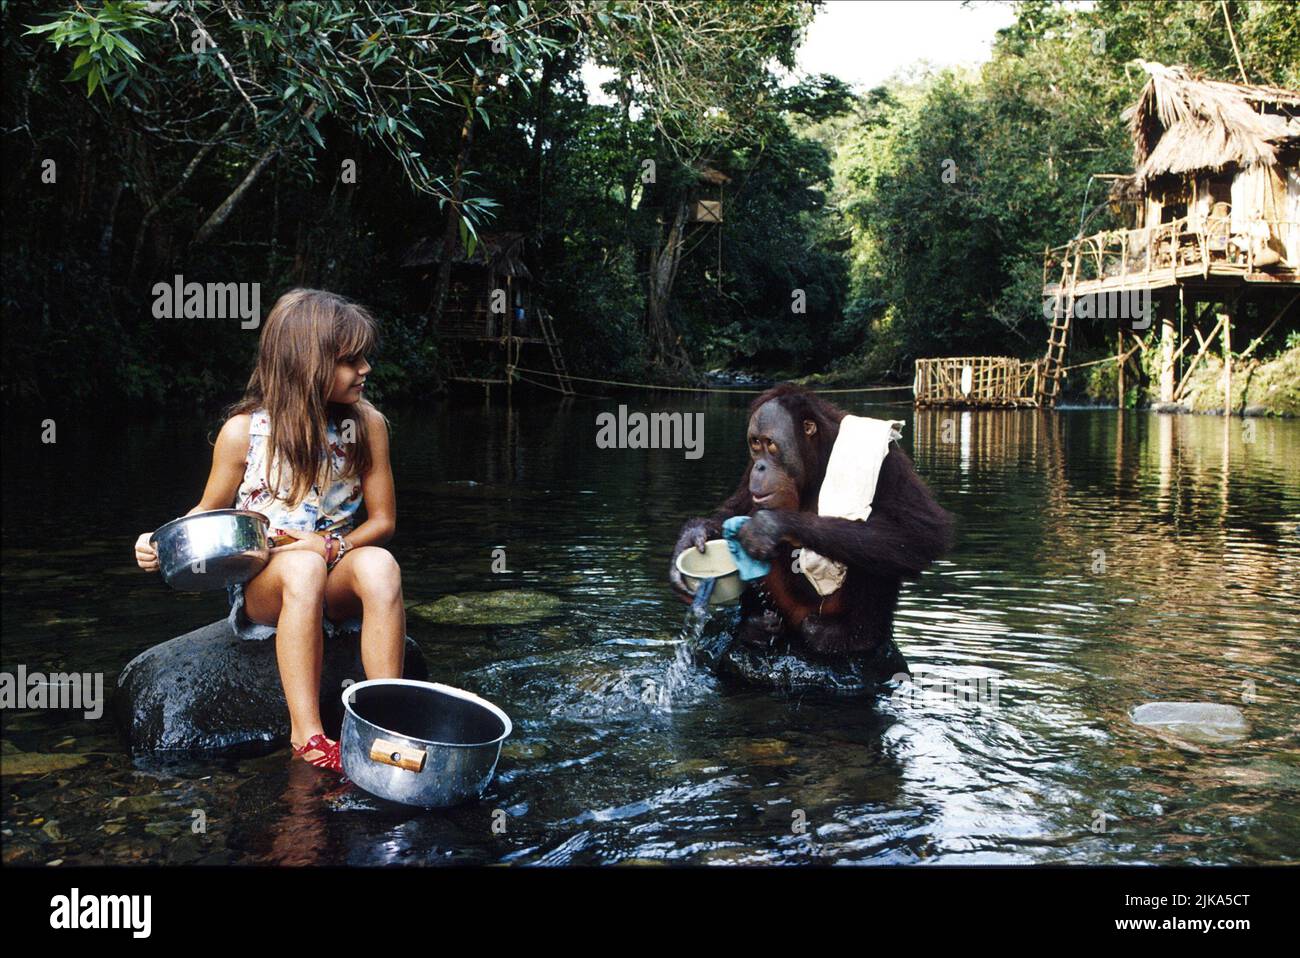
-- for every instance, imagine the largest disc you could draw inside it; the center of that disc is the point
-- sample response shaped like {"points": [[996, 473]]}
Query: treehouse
{"points": [[488, 316], [1209, 219]]}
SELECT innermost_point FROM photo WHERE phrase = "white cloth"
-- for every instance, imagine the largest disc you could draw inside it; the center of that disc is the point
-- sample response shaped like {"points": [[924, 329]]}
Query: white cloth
{"points": [[849, 487]]}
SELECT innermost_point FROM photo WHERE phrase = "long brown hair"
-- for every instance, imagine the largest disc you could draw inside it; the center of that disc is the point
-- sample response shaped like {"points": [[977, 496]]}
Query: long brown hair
{"points": [[306, 334]]}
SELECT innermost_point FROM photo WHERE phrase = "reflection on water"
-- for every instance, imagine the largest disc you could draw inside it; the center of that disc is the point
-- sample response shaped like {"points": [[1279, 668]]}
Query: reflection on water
{"points": [[1105, 560]]}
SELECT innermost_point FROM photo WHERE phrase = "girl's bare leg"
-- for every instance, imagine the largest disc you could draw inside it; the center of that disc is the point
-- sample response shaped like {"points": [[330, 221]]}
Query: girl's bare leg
{"points": [[289, 593], [368, 582]]}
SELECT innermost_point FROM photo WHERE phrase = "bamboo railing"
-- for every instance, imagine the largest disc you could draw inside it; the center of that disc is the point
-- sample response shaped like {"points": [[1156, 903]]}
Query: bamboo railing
{"points": [[1120, 258], [976, 381]]}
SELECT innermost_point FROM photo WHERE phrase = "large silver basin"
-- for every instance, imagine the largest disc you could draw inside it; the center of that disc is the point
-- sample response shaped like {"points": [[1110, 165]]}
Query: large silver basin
{"points": [[420, 743]]}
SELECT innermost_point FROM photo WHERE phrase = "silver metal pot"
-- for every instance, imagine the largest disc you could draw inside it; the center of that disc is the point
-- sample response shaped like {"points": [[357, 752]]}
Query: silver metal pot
{"points": [[211, 550], [420, 743]]}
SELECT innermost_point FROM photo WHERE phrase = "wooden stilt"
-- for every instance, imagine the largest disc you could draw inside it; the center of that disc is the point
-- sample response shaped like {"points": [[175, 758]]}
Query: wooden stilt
{"points": [[1119, 367], [1182, 343], [1167, 338], [1227, 356]]}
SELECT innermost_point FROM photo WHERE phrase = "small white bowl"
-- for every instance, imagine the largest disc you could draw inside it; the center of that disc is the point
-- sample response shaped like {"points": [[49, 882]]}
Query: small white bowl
{"points": [[713, 563]]}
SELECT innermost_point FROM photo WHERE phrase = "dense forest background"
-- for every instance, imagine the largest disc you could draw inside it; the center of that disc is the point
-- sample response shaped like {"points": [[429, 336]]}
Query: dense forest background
{"points": [[213, 139]]}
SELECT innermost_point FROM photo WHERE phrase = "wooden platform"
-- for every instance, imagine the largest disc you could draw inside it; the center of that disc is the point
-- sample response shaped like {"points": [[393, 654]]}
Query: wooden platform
{"points": [[1171, 254]]}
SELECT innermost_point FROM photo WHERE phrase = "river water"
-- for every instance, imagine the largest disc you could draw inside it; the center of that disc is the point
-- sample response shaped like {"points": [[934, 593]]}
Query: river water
{"points": [[1105, 559]]}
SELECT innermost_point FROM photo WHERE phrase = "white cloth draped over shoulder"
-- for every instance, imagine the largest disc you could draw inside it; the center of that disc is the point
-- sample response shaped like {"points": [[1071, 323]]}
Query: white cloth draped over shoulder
{"points": [[849, 487]]}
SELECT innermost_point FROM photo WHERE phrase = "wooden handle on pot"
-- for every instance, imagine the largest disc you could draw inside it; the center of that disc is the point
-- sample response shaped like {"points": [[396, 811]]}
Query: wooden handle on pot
{"points": [[398, 755]]}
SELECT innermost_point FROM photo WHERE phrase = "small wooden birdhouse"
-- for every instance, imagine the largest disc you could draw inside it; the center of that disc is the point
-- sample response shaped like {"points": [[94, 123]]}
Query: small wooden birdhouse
{"points": [[707, 206], [706, 211]]}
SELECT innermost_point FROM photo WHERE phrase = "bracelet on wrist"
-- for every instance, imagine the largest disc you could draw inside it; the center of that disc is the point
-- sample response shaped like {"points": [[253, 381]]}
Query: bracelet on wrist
{"points": [[341, 545]]}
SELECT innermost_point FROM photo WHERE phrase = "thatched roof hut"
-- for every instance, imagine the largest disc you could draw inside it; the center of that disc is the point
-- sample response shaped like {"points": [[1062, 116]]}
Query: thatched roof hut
{"points": [[1183, 123], [1212, 209]]}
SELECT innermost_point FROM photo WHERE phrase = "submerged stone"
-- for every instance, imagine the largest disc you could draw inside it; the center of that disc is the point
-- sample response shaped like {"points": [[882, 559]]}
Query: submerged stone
{"points": [[209, 691], [1204, 722], [523, 751], [502, 607], [14, 764]]}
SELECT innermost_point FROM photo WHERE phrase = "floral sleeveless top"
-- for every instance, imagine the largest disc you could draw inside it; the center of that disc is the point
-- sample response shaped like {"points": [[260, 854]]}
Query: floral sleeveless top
{"points": [[333, 507]]}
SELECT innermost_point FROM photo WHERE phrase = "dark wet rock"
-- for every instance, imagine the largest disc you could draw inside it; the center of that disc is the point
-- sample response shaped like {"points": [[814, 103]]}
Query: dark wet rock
{"points": [[209, 691], [184, 850], [1256, 411], [1204, 722], [1168, 407], [502, 607], [788, 671]]}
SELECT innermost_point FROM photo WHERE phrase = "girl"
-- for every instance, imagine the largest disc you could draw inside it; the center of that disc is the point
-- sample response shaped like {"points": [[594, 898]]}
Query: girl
{"points": [[304, 449]]}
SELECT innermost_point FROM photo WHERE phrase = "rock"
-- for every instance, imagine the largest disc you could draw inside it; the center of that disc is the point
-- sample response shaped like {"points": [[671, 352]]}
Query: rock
{"points": [[1203, 722], [1168, 407], [502, 607], [15, 853], [765, 751], [1255, 411], [148, 803], [209, 691], [523, 751], [37, 763]]}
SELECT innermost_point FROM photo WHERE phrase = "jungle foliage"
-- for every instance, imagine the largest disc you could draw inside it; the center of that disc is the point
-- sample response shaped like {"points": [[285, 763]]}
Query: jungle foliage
{"points": [[210, 138]]}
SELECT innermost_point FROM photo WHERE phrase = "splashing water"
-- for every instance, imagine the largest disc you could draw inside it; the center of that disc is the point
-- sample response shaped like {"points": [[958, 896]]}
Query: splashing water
{"points": [[681, 674]]}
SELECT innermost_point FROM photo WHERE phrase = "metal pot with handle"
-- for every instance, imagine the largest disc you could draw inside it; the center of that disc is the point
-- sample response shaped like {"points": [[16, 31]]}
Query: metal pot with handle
{"points": [[420, 743]]}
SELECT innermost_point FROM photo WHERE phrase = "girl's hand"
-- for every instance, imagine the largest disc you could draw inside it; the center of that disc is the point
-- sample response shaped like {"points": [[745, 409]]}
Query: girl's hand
{"points": [[146, 556], [311, 541]]}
